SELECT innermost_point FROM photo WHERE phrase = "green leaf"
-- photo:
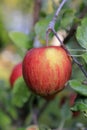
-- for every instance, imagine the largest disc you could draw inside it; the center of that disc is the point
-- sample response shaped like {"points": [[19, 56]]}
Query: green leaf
{"points": [[4, 93], [20, 39], [81, 33], [67, 18], [41, 27], [80, 105], [76, 73], [65, 112], [84, 56], [78, 87], [20, 93], [4, 120]]}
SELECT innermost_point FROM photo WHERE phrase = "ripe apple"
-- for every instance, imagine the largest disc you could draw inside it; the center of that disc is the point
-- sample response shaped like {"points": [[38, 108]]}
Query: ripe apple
{"points": [[16, 73], [46, 69], [32, 127]]}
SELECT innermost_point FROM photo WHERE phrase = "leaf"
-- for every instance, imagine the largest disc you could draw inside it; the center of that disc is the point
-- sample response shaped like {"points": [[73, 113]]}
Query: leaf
{"points": [[80, 105], [20, 39], [41, 27], [20, 93], [3, 92], [78, 87], [65, 111], [81, 33], [67, 18], [4, 120], [77, 74], [84, 56]]}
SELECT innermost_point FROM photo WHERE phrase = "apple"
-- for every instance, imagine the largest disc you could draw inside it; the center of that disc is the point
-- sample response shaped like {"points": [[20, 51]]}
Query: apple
{"points": [[16, 73], [46, 69], [32, 127]]}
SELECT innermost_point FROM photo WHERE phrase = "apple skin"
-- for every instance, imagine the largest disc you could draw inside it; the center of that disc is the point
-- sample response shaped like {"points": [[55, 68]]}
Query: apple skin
{"points": [[46, 69], [16, 73], [32, 127]]}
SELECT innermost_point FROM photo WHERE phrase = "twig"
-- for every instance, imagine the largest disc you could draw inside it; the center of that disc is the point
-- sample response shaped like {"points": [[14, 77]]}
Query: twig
{"points": [[37, 7], [52, 23], [45, 105], [34, 116], [51, 29], [37, 113]]}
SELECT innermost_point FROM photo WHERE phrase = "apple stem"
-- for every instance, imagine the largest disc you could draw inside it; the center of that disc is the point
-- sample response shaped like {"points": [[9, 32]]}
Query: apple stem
{"points": [[47, 34], [51, 29]]}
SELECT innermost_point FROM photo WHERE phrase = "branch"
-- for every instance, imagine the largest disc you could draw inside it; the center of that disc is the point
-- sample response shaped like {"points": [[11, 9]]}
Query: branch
{"points": [[45, 105], [51, 29], [37, 7], [52, 23], [37, 113]]}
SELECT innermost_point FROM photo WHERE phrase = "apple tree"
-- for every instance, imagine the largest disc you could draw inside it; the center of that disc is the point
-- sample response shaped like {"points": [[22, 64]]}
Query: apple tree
{"points": [[24, 103]]}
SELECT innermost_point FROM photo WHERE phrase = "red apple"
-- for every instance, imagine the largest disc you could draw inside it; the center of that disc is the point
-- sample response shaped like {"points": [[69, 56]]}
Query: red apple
{"points": [[16, 73], [46, 69], [32, 127]]}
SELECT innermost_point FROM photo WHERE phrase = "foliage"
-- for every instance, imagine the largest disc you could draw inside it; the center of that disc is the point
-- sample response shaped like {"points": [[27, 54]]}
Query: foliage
{"points": [[81, 33], [19, 99]]}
